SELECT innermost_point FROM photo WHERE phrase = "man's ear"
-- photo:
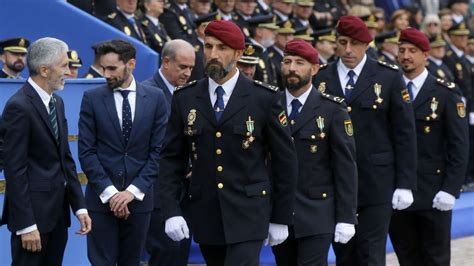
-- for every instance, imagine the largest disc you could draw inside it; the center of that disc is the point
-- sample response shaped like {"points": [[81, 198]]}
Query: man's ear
{"points": [[132, 63], [44, 71]]}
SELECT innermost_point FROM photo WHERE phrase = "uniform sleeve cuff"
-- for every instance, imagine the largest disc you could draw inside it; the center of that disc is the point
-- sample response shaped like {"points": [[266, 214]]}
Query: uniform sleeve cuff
{"points": [[136, 192], [107, 194]]}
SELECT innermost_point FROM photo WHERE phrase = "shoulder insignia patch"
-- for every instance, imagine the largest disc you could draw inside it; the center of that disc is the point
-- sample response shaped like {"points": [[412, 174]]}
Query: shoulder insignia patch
{"points": [[187, 85], [332, 98], [112, 15], [461, 109], [445, 83], [348, 127], [265, 85], [385, 64]]}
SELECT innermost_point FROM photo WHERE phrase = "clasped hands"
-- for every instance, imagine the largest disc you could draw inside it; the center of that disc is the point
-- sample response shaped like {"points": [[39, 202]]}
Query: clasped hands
{"points": [[119, 204]]}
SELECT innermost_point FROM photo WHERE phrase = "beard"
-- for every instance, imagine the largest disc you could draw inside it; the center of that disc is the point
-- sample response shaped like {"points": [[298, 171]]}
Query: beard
{"points": [[216, 70], [116, 82], [294, 86], [17, 66]]}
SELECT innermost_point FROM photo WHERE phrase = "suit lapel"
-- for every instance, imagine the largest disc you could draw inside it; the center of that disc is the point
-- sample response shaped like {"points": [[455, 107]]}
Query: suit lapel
{"points": [[425, 93], [40, 108], [236, 101], [364, 81], [161, 83], [204, 102], [109, 102], [307, 112], [141, 105]]}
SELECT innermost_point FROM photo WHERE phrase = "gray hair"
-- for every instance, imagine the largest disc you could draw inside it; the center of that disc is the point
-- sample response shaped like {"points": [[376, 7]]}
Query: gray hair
{"points": [[45, 51], [173, 47]]}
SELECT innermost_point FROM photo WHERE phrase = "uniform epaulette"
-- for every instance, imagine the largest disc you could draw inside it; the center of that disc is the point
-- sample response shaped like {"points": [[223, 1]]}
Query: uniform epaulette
{"points": [[187, 85], [322, 66], [145, 23], [112, 15], [385, 64], [447, 84], [332, 98], [265, 85]]}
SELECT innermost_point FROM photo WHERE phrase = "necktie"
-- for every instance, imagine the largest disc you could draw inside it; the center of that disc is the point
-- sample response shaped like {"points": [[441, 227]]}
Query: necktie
{"points": [[410, 90], [126, 116], [295, 107], [349, 85], [219, 104], [135, 26], [53, 117]]}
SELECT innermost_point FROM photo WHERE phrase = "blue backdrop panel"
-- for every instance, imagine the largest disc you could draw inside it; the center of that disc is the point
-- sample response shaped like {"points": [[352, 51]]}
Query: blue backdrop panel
{"points": [[34, 19]]}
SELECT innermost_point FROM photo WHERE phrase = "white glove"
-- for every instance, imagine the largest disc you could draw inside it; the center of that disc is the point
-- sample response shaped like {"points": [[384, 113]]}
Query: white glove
{"points": [[344, 232], [176, 228], [402, 199], [443, 201], [277, 233]]}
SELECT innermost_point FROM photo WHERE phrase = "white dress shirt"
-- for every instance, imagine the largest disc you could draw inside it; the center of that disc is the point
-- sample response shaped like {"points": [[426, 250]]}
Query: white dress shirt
{"points": [[132, 97], [342, 71], [417, 82], [228, 87], [45, 98], [302, 98]]}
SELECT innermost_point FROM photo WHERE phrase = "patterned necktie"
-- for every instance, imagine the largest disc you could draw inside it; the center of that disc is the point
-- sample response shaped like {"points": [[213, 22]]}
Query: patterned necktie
{"points": [[126, 116], [219, 104], [410, 90], [295, 107], [350, 85], [53, 117]]}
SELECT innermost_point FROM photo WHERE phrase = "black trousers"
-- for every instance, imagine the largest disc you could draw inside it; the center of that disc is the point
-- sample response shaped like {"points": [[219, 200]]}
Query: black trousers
{"points": [[52, 247], [114, 241], [162, 249], [422, 237], [305, 251], [239, 254], [367, 247]]}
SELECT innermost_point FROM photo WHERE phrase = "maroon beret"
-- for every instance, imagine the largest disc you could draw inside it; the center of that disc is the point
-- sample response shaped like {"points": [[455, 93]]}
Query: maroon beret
{"points": [[227, 32], [303, 49], [353, 27], [416, 38]]}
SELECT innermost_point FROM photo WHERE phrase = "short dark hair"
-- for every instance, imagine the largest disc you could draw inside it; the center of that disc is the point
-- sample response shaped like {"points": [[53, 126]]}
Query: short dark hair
{"points": [[125, 50]]}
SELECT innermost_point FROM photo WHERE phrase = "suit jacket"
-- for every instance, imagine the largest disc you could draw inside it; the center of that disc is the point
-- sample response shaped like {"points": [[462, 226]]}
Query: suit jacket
{"points": [[179, 23], [384, 132], [104, 157], [157, 82], [443, 142], [37, 166], [231, 195], [120, 22], [327, 180]]}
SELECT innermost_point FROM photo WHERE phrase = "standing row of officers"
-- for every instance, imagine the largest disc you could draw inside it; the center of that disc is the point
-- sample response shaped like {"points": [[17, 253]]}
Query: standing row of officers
{"points": [[347, 153]]}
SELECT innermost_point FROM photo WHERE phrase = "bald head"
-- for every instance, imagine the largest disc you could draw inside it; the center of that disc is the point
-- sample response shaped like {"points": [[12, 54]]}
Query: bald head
{"points": [[177, 61]]}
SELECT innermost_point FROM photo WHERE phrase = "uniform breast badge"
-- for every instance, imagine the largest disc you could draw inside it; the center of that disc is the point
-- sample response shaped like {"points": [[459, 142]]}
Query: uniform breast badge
{"points": [[191, 118], [434, 107], [249, 135], [378, 91], [127, 30], [461, 110], [320, 124]]}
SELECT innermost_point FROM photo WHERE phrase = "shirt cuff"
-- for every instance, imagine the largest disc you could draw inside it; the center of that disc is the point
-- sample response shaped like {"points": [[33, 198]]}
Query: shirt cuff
{"points": [[136, 192], [27, 230], [81, 211], [107, 194]]}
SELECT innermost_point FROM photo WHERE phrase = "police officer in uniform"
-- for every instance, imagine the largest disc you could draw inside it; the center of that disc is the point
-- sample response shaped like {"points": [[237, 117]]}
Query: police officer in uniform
{"points": [[421, 234], [75, 63], [248, 62], [13, 55], [325, 42], [385, 137], [124, 19], [435, 65], [326, 195], [155, 32], [228, 124], [95, 70], [274, 53], [388, 47], [178, 21]]}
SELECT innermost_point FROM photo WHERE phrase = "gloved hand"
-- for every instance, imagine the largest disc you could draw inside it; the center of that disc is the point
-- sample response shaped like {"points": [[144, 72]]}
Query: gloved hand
{"points": [[277, 233], [402, 199], [344, 232], [443, 201], [176, 228]]}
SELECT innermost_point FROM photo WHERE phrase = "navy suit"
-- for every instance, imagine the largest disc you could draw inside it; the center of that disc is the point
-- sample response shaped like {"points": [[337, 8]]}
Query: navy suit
{"points": [[41, 176], [106, 161], [162, 249], [385, 138]]}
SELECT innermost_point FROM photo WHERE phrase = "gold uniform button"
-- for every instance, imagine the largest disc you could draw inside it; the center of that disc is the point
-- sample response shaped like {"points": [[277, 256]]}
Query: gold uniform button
{"points": [[313, 137], [218, 151], [325, 195], [220, 185], [349, 108], [264, 192], [438, 171], [220, 168], [374, 106], [190, 196], [218, 134]]}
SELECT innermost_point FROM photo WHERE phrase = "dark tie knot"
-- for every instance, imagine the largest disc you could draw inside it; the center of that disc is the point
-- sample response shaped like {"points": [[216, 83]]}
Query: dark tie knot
{"points": [[125, 93], [351, 74], [219, 91], [296, 104]]}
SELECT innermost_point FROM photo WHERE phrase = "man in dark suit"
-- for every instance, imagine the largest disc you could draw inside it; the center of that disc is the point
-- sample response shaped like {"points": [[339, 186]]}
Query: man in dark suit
{"points": [[124, 20], [229, 126], [121, 127], [177, 62], [385, 137], [326, 195], [41, 176], [421, 234], [179, 21]]}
